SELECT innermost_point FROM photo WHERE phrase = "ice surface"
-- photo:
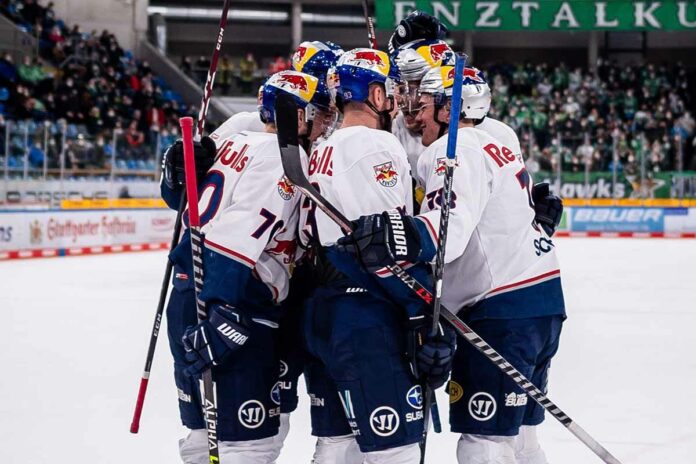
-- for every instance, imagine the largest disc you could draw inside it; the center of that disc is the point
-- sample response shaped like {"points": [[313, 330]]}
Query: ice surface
{"points": [[75, 331]]}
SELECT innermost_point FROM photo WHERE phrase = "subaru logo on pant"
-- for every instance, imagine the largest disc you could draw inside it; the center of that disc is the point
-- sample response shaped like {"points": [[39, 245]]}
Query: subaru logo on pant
{"points": [[251, 414], [275, 393], [384, 421], [414, 396], [482, 406]]}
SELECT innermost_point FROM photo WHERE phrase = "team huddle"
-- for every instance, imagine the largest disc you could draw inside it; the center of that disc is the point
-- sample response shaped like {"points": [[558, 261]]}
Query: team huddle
{"points": [[289, 294]]}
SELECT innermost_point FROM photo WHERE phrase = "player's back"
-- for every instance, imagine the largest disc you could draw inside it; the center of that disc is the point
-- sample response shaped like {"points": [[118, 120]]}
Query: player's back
{"points": [[502, 133], [361, 171], [249, 121], [249, 211], [493, 245]]}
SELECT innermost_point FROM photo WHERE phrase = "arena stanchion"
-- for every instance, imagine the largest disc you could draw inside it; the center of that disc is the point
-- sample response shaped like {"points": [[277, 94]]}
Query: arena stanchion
{"points": [[450, 163], [154, 334], [290, 155]]}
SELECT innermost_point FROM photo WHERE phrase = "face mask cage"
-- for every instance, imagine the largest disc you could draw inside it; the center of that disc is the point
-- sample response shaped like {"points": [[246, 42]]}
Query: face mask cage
{"points": [[407, 98]]}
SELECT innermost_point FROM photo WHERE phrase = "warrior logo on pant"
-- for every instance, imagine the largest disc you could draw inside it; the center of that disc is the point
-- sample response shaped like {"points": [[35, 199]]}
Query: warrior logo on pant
{"points": [[482, 406], [384, 421], [252, 414]]}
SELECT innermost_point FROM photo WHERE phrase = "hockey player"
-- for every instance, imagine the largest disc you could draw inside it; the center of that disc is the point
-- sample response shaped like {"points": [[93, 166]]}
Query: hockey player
{"points": [[417, 25], [316, 58], [249, 216], [414, 59], [249, 121], [357, 331], [501, 273], [548, 207]]}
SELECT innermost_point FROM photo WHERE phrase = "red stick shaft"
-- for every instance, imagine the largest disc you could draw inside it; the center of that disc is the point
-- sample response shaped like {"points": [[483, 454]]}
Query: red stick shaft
{"points": [[186, 124], [135, 425]]}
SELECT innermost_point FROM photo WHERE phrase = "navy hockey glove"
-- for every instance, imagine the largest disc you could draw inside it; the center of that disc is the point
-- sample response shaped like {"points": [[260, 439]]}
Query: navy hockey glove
{"points": [[212, 341], [417, 25], [173, 161], [379, 240], [430, 356], [548, 208]]}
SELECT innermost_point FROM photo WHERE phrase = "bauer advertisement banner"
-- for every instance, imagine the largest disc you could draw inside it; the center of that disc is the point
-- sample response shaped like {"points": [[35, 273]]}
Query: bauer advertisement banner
{"points": [[25, 230], [629, 219], [546, 15]]}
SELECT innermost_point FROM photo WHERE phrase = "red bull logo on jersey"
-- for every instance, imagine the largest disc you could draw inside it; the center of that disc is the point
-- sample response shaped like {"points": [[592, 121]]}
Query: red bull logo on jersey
{"points": [[284, 248], [440, 167], [285, 189], [385, 174], [296, 83], [375, 60]]}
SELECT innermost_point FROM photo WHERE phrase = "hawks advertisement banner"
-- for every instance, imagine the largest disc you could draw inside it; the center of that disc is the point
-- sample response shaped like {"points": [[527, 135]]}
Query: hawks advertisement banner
{"points": [[600, 185], [546, 15], [55, 229]]}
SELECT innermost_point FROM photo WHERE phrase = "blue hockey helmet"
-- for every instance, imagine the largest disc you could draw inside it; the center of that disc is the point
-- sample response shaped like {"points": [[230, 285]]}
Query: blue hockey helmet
{"points": [[307, 91], [315, 58], [357, 69]]}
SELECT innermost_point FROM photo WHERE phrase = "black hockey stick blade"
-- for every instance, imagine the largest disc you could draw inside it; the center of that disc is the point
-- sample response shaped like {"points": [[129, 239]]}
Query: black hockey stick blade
{"points": [[286, 126]]}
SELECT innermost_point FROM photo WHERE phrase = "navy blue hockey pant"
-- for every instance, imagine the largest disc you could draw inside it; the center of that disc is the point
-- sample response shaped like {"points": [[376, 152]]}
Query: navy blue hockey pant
{"points": [[483, 399], [359, 344], [248, 390]]}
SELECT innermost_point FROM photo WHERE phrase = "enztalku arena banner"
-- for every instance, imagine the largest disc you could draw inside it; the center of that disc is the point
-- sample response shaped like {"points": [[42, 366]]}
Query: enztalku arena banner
{"points": [[546, 15]]}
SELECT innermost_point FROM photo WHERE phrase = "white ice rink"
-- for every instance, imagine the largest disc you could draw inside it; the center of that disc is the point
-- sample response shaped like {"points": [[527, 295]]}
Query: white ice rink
{"points": [[75, 330]]}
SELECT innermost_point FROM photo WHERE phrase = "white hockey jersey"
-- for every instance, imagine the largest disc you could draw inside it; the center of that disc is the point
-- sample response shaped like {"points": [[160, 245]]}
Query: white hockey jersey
{"points": [[411, 142], [249, 121], [502, 133], [249, 210], [361, 171], [493, 246]]}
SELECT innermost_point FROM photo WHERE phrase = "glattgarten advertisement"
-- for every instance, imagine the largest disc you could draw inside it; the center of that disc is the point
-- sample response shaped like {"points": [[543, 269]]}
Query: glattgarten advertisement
{"points": [[546, 15]]}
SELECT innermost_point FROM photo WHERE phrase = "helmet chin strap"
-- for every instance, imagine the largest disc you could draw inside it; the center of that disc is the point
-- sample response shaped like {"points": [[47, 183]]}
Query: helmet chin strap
{"points": [[385, 118]]}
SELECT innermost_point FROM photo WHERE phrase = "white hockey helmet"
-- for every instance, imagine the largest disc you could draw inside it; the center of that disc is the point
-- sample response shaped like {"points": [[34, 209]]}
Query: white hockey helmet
{"points": [[476, 95], [416, 58]]}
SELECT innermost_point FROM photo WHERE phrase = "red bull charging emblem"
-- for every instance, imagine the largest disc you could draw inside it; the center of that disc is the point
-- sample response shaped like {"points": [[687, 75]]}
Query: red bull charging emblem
{"points": [[294, 81], [285, 248], [474, 75], [437, 51], [285, 189], [441, 167], [371, 57], [385, 174]]}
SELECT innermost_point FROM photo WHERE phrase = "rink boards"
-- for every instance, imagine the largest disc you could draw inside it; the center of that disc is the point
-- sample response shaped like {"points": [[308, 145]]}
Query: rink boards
{"points": [[32, 233], [113, 226]]}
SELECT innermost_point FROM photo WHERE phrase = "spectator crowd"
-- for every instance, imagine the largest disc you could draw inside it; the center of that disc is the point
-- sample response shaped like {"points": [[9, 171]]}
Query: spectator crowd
{"points": [[572, 117], [581, 118], [87, 80]]}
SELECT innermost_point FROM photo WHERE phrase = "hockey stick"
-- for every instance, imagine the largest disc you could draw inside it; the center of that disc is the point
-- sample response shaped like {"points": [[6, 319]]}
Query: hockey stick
{"points": [[450, 163], [286, 122], [207, 94], [371, 36], [208, 394]]}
